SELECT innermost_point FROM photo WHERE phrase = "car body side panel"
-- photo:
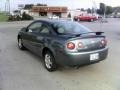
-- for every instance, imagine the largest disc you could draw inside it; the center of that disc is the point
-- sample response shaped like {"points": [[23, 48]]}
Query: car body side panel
{"points": [[44, 41]]}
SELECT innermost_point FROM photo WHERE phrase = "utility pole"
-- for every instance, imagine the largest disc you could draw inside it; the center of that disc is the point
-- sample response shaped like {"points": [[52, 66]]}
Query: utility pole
{"points": [[7, 7], [105, 12], [94, 7]]}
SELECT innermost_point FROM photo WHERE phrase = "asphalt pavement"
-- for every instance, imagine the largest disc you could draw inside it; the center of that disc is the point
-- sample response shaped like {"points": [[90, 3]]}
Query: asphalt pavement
{"points": [[22, 70]]}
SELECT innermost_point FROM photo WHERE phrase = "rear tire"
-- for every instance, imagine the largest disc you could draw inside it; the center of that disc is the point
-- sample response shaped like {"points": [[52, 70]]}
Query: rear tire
{"points": [[49, 61], [20, 44]]}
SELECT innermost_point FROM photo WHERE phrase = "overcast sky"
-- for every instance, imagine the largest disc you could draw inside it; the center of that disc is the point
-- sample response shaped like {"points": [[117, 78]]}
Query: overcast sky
{"points": [[69, 3]]}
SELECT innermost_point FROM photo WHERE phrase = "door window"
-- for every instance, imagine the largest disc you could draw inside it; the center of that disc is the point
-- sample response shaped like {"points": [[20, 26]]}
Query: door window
{"points": [[35, 27], [45, 29]]}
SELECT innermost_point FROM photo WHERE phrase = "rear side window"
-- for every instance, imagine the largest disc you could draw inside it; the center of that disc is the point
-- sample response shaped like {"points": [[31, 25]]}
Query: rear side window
{"points": [[70, 28]]}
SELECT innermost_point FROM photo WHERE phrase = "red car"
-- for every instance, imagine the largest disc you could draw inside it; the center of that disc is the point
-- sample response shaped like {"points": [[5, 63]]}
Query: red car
{"points": [[85, 18]]}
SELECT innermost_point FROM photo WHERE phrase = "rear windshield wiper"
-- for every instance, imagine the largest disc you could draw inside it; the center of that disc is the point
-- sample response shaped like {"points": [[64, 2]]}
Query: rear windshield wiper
{"points": [[97, 33]]}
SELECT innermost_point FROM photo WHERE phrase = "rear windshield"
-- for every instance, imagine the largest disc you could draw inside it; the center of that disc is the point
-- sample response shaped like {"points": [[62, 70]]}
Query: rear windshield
{"points": [[70, 28]]}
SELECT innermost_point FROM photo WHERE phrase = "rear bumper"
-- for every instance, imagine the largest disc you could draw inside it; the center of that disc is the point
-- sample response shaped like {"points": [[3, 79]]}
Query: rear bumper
{"points": [[82, 58]]}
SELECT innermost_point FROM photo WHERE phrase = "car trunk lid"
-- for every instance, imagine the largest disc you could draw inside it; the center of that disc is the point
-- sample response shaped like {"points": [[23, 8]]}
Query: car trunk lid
{"points": [[88, 42]]}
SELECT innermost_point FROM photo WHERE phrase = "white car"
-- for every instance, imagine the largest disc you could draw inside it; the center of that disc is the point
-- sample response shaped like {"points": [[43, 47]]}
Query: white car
{"points": [[54, 17]]}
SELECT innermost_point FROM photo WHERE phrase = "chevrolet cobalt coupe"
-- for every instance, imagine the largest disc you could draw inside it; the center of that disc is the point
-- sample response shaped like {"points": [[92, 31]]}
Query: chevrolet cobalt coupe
{"points": [[64, 43]]}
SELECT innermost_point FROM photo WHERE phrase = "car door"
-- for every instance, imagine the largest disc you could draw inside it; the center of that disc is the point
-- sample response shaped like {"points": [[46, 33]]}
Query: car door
{"points": [[43, 38], [29, 37]]}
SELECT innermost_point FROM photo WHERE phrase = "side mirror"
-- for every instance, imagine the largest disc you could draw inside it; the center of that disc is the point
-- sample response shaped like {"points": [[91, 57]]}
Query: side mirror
{"points": [[29, 30]]}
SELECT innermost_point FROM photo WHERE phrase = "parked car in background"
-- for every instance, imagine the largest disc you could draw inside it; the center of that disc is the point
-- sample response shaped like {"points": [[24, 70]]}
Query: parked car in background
{"points": [[82, 17], [63, 43], [100, 17], [53, 17]]}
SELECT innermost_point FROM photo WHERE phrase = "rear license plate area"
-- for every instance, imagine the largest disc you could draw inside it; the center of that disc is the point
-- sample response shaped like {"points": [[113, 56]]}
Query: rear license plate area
{"points": [[94, 56]]}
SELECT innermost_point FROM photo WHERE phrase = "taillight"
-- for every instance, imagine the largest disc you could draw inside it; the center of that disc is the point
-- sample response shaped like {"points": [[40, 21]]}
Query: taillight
{"points": [[70, 45], [104, 42], [80, 45]]}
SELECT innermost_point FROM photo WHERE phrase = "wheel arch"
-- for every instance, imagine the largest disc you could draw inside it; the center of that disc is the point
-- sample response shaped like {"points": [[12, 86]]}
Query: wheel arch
{"points": [[47, 49]]}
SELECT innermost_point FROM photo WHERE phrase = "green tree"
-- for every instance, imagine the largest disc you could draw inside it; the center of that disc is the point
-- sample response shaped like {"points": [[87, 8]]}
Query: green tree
{"points": [[109, 10], [89, 10], [102, 8], [28, 6], [82, 9], [41, 4]]}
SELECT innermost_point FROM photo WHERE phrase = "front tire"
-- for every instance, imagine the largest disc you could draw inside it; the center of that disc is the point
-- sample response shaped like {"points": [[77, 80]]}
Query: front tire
{"points": [[92, 20], [49, 62], [20, 44], [78, 20]]}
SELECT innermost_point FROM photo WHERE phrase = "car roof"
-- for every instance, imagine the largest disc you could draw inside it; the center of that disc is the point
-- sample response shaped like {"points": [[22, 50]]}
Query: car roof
{"points": [[54, 21]]}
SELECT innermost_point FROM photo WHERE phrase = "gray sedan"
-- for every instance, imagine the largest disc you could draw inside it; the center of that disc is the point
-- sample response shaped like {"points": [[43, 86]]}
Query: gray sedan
{"points": [[63, 43]]}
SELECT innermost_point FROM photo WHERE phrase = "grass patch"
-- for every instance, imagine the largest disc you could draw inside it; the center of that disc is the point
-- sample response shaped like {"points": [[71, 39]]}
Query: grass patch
{"points": [[3, 17]]}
